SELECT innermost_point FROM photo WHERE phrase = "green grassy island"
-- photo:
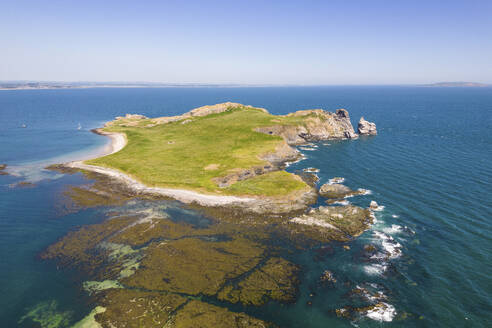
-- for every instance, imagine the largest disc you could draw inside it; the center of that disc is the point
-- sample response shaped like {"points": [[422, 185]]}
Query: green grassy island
{"points": [[224, 149]]}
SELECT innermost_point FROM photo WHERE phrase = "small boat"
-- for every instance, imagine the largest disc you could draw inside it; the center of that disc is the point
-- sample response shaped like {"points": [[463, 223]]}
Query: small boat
{"points": [[79, 127], [23, 126]]}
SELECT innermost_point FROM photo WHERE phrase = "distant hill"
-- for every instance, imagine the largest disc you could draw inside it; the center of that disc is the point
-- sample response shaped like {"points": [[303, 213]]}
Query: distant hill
{"points": [[458, 84]]}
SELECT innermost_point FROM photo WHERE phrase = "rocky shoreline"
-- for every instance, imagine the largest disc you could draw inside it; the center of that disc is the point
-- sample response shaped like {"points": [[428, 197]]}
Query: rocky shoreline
{"points": [[322, 126]]}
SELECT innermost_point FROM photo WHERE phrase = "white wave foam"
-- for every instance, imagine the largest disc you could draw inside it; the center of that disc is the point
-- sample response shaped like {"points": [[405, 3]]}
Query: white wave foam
{"points": [[336, 180], [382, 312], [341, 202], [303, 157], [390, 245], [394, 229], [307, 148], [379, 256], [375, 269], [313, 222]]}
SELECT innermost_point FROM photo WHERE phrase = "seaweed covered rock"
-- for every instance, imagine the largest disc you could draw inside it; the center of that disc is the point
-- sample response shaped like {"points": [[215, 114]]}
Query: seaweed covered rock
{"points": [[327, 276], [131, 308], [80, 248], [194, 266], [349, 220], [200, 314], [276, 279]]}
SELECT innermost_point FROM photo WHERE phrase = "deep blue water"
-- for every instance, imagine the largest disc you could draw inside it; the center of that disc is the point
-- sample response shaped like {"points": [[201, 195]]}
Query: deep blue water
{"points": [[430, 167]]}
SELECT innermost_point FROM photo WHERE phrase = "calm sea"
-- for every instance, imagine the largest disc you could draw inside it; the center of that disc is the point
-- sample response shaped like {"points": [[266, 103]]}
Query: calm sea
{"points": [[430, 167]]}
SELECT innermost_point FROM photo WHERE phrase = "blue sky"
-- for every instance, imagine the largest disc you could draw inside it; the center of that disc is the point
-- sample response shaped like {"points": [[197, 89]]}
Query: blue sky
{"points": [[254, 42]]}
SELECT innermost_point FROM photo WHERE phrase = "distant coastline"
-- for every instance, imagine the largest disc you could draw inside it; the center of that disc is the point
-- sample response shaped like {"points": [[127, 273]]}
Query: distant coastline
{"points": [[458, 84], [33, 85], [53, 85]]}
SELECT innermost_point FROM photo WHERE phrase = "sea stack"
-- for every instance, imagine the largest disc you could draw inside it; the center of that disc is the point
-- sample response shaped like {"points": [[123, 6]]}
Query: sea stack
{"points": [[366, 128]]}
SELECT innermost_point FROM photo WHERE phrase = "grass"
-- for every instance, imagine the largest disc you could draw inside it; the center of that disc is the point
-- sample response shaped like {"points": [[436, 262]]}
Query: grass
{"points": [[188, 154]]}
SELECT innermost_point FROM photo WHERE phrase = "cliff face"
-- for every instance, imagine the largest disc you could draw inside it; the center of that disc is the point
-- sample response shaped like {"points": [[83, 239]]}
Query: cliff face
{"points": [[317, 125]]}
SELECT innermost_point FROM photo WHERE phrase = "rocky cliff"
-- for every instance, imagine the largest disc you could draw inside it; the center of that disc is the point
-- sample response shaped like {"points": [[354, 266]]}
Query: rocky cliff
{"points": [[317, 125]]}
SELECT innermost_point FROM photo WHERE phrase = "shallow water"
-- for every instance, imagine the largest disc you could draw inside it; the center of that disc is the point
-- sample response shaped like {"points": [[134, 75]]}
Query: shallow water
{"points": [[430, 167]]}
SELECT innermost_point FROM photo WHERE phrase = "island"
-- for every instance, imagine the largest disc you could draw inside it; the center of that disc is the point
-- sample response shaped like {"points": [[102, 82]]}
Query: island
{"points": [[225, 164], [458, 85]]}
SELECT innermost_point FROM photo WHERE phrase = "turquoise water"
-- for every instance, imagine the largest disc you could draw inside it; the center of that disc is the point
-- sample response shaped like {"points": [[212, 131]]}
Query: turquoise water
{"points": [[430, 167]]}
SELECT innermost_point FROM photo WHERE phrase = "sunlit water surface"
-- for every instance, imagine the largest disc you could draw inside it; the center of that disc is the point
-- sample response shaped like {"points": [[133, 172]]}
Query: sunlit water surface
{"points": [[430, 167]]}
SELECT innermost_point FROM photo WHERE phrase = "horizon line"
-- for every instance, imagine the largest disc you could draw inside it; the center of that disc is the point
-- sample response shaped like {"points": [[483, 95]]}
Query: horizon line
{"points": [[54, 84]]}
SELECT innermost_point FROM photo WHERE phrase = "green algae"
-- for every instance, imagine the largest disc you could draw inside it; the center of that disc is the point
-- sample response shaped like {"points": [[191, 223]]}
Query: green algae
{"points": [[117, 251], [47, 315], [93, 287]]}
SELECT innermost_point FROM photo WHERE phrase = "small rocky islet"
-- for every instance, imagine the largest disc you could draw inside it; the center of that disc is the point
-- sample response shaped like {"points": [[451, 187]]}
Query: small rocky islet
{"points": [[142, 268], [2, 169]]}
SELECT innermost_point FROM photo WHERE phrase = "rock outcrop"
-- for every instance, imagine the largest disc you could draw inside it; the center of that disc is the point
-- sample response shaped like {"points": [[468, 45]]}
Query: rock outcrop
{"points": [[334, 190], [366, 128], [216, 109], [349, 220], [318, 125], [2, 169], [283, 153], [240, 175]]}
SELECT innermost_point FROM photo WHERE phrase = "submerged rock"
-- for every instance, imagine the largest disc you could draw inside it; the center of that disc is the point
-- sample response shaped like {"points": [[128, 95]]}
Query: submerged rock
{"points": [[327, 276], [366, 127], [375, 308], [22, 184]]}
